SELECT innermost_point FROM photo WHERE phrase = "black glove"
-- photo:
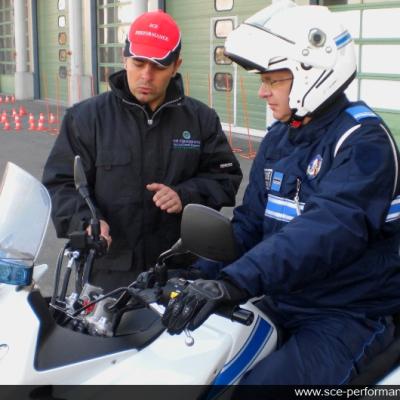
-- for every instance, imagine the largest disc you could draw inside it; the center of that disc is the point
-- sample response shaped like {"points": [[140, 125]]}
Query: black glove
{"points": [[178, 261], [197, 301], [190, 273]]}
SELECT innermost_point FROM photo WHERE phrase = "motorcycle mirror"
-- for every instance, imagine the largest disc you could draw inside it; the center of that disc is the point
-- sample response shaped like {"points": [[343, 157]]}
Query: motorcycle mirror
{"points": [[80, 180], [81, 186], [177, 248], [207, 233]]}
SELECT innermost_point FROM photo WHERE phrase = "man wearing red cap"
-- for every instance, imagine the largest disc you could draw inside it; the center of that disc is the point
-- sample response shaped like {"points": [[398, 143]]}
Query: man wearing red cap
{"points": [[147, 149]]}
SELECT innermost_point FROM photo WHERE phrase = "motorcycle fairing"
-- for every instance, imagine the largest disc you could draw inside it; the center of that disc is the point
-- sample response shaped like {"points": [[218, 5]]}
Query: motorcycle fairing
{"points": [[258, 338], [51, 349]]}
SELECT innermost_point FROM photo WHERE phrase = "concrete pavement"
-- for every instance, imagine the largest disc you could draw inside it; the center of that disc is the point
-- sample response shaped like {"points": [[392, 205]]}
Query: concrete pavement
{"points": [[29, 150]]}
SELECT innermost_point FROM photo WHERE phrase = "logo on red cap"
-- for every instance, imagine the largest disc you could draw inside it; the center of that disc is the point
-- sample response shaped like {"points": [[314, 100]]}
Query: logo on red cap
{"points": [[154, 36]]}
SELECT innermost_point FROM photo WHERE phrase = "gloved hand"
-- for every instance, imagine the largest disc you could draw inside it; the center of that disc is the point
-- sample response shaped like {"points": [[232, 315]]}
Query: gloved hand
{"points": [[189, 273], [197, 301]]}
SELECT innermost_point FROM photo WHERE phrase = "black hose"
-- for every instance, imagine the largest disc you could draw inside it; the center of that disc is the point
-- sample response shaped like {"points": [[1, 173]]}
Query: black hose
{"points": [[57, 274], [88, 266], [65, 284]]}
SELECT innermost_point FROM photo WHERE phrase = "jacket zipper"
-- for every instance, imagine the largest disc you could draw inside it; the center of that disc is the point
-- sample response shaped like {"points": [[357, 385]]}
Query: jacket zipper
{"points": [[149, 123]]}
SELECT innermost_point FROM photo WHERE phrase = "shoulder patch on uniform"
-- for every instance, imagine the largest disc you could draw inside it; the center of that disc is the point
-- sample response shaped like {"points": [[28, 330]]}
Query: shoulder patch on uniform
{"points": [[360, 112], [314, 167]]}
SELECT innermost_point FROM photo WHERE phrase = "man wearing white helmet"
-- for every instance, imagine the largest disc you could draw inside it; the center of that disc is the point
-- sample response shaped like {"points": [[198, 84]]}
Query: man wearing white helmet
{"points": [[319, 225]]}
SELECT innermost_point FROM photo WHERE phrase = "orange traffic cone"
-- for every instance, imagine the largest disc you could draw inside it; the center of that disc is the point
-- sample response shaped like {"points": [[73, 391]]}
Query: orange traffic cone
{"points": [[41, 122], [3, 117], [52, 123], [40, 126], [17, 125], [12, 99], [13, 112], [52, 118], [6, 99], [41, 118], [22, 111], [31, 125], [1, 99], [31, 117], [6, 126]]}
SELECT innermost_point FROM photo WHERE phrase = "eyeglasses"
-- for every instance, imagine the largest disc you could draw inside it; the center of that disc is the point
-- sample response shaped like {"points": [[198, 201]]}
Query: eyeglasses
{"points": [[274, 83]]}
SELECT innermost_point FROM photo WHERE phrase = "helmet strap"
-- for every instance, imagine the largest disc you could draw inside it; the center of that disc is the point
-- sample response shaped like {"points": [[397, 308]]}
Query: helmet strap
{"points": [[295, 121]]}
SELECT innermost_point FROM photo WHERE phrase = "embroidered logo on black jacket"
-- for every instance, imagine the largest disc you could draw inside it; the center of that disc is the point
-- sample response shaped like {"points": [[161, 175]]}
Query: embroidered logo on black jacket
{"points": [[186, 142]]}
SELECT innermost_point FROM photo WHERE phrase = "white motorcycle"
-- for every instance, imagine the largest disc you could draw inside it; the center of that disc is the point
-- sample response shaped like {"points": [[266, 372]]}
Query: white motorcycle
{"points": [[88, 337], [117, 338]]}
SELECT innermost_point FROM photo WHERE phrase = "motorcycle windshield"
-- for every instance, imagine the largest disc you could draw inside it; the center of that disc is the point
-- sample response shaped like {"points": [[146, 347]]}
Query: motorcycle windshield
{"points": [[25, 207]]}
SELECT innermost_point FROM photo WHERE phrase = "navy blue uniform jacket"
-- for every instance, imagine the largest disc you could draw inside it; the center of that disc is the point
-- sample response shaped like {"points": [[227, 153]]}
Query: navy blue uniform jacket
{"points": [[319, 223]]}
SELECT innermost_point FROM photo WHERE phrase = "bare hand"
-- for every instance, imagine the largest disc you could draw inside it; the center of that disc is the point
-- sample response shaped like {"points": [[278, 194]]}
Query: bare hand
{"points": [[165, 198], [104, 232]]}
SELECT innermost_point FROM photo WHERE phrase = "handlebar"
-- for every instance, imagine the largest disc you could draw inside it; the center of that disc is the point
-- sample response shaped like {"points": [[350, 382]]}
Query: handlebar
{"points": [[155, 296]]}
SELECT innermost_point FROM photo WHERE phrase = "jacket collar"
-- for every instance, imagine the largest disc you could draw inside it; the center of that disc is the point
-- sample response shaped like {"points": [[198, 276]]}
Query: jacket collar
{"points": [[119, 86], [317, 126]]}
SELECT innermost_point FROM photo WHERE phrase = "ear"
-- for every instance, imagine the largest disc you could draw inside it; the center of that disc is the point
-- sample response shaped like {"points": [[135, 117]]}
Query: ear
{"points": [[177, 65]]}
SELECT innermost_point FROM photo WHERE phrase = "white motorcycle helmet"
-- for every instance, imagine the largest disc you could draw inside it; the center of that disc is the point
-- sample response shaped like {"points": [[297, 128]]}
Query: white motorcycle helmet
{"points": [[307, 40]]}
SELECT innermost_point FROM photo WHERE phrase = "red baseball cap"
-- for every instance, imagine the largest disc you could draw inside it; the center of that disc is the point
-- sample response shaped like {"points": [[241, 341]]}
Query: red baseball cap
{"points": [[154, 36]]}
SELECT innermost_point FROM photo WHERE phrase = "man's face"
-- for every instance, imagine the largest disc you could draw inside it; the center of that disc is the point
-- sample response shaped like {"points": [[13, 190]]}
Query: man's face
{"points": [[275, 88], [148, 81]]}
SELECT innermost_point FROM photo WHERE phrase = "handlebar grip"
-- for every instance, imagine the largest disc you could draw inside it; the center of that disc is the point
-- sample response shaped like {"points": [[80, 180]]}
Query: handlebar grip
{"points": [[236, 314]]}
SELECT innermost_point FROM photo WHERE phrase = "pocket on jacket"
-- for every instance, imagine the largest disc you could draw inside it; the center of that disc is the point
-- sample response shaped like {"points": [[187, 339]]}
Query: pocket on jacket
{"points": [[111, 158], [117, 179], [120, 260]]}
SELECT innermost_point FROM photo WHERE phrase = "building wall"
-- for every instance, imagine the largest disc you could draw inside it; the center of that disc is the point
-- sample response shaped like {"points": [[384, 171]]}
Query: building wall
{"points": [[7, 47], [374, 26], [376, 31], [53, 50], [212, 78]]}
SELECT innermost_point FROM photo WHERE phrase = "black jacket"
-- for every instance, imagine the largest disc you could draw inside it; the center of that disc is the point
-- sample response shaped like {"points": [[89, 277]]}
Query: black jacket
{"points": [[123, 147]]}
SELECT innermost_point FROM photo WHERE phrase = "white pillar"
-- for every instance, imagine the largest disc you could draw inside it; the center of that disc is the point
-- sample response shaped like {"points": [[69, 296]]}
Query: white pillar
{"points": [[23, 78], [75, 50], [153, 5], [140, 6]]}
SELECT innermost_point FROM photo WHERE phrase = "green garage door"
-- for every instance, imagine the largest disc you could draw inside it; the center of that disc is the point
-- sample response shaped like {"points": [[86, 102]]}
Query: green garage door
{"points": [[53, 40], [208, 75]]}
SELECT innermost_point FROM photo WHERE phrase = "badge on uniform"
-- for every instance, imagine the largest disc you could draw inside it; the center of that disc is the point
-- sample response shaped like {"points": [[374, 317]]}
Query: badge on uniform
{"points": [[314, 167], [277, 179], [267, 178]]}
